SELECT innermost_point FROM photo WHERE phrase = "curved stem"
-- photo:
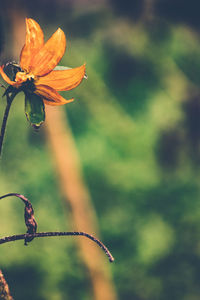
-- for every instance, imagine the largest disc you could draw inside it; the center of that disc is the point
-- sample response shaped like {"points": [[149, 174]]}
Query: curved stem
{"points": [[4, 289], [51, 234], [5, 118]]}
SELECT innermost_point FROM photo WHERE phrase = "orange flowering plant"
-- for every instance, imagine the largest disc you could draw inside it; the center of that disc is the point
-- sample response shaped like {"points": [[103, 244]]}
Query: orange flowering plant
{"points": [[37, 75]]}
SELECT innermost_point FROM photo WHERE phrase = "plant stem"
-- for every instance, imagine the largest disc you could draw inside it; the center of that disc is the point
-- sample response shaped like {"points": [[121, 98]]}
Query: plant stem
{"points": [[5, 118], [4, 289], [53, 234]]}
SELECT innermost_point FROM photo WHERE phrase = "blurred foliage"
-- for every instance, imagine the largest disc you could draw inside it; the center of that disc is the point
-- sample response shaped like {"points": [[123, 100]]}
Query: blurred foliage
{"points": [[137, 129]]}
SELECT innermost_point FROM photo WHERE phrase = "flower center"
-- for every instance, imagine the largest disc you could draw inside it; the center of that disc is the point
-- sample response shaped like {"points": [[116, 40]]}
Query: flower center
{"points": [[22, 76]]}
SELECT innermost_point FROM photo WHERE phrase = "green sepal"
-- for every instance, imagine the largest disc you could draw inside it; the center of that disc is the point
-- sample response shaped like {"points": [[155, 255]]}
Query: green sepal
{"points": [[61, 68], [34, 109]]}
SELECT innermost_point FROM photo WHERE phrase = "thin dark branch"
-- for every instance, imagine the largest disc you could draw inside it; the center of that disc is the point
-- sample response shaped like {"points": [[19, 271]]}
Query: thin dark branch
{"points": [[3, 127], [22, 197], [53, 234], [5, 117]]}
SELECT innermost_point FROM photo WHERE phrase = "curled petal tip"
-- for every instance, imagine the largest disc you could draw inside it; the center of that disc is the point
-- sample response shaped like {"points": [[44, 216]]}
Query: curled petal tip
{"points": [[50, 96], [60, 30], [84, 68], [51, 103], [5, 77], [29, 21]]}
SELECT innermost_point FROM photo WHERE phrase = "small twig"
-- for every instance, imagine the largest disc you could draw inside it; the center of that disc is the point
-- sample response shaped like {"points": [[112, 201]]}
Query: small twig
{"points": [[32, 227], [52, 234], [4, 289]]}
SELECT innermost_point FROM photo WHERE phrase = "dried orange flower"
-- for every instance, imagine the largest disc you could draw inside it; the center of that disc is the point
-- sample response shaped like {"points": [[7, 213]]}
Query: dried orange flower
{"points": [[36, 74]]}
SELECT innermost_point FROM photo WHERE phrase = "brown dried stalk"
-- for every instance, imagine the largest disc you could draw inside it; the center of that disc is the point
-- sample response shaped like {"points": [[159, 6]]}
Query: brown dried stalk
{"points": [[32, 227], [4, 289]]}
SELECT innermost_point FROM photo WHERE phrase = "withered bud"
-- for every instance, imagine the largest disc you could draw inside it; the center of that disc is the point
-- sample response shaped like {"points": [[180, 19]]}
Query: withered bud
{"points": [[29, 218]]}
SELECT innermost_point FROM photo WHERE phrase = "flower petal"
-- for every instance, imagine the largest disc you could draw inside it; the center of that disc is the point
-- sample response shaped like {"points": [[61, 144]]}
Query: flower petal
{"points": [[50, 96], [49, 55], [64, 80], [7, 79], [34, 42], [56, 103]]}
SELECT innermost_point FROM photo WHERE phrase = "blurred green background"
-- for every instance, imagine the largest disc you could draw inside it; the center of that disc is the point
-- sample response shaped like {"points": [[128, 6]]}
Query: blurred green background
{"points": [[136, 124]]}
